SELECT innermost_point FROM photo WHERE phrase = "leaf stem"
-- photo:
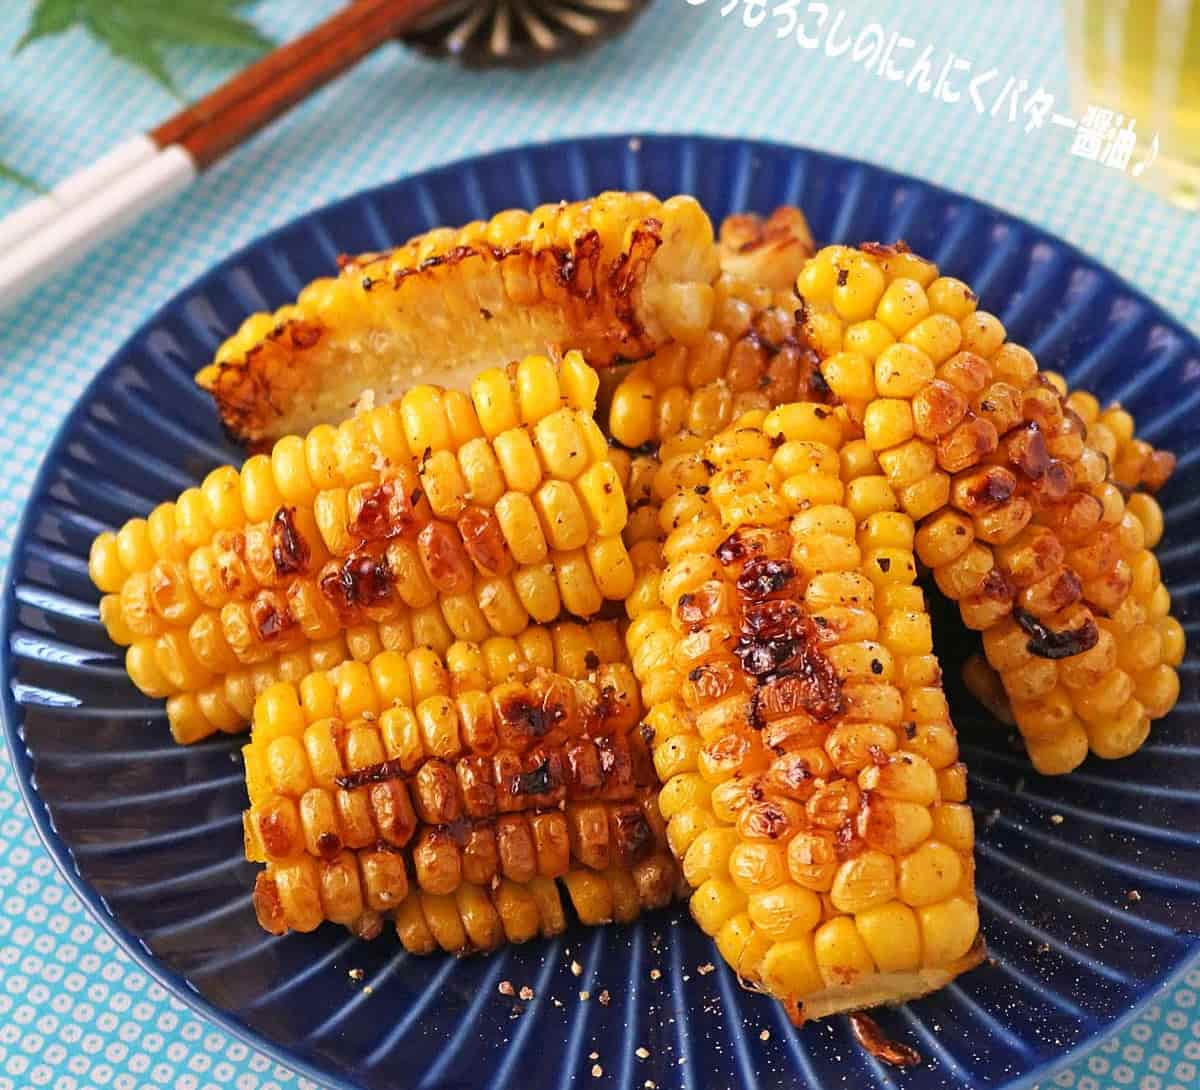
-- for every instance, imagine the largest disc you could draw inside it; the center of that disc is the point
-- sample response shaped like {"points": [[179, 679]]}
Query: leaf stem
{"points": [[9, 174]]}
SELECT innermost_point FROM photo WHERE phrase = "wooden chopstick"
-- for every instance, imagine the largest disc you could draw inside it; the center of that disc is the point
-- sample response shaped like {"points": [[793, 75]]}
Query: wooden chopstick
{"points": [[267, 88], [47, 234]]}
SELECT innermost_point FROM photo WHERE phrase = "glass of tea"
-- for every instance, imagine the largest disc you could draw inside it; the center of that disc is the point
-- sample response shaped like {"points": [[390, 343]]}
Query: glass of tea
{"points": [[1140, 59]]}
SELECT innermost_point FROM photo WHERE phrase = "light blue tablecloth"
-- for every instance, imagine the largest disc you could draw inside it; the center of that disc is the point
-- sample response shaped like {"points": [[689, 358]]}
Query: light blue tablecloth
{"points": [[74, 1013]]}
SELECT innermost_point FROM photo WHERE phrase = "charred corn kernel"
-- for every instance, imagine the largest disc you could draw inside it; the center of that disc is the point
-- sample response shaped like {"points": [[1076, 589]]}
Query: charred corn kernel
{"points": [[751, 357], [378, 521], [527, 747], [499, 284], [1135, 463], [795, 705], [1015, 486]]}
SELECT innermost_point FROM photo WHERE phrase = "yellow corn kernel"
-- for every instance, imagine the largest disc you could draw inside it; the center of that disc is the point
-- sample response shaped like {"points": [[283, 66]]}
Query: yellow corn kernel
{"points": [[948, 930], [902, 305], [858, 288], [841, 954], [888, 421], [930, 874], [864, 881], [518, 460], [789, 968], [785, 912], [714, 903], [902, 370], [850, 375]]}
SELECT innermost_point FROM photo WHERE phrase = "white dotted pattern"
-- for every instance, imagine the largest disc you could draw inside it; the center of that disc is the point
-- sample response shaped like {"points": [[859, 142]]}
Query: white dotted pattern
{"points": [[75, 1013]]}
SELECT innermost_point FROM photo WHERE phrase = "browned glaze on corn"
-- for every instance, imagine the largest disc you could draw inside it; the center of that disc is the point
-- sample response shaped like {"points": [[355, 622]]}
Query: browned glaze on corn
{"points": [[615, 276], [452, 515], [1133, 463], [1023, 521], [753, 356], [503, 761], [811, 781]]}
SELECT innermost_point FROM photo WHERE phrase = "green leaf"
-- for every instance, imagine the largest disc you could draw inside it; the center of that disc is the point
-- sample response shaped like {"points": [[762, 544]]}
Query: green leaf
{"points": [[178, 25], [49, 17], [125, 43], [137, 31], [9, 174]]}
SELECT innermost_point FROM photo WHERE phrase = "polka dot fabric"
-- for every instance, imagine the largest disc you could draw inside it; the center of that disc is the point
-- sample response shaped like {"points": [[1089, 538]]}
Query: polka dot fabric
{"points": [[75, 1013]]}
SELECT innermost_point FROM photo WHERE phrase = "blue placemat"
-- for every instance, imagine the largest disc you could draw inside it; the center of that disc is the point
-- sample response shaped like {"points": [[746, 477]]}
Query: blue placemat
{"points": [[74, 1013]]}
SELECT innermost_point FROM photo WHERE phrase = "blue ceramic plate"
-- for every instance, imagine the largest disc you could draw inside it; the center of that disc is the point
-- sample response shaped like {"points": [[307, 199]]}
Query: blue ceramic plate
{"points": [[149, 834]]}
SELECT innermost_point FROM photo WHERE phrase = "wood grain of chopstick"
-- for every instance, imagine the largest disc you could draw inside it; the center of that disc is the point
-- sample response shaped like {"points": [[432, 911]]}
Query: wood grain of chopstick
{"points": [[258, 94], [47, 234]]}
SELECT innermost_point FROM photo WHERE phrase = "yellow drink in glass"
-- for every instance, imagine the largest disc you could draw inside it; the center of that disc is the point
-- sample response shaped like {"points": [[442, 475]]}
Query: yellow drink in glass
{"points": [[1141, 58]]}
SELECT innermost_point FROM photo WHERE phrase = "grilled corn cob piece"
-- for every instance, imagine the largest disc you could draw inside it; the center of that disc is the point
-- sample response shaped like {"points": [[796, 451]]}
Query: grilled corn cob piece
{"points": [[615, 276], [510, 758], [468, 515], [1133, 463], [1016, 513], [810, 771], [753, 356]]}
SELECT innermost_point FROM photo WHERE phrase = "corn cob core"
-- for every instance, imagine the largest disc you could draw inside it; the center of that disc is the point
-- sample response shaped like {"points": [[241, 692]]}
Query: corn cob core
{"points": [[1133, 463], [1017, 514], [471, 514], [768, 251], [615, 276], [507, 759], [811, 782], [752, 357]]}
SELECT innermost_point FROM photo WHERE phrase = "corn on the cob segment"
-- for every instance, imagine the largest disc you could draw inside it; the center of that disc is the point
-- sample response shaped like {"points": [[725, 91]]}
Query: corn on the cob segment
{"points": [[752, 357], [513, 759], [465, 515], [810, 771], [1017, 514], [1133, 463], [615, 276]]}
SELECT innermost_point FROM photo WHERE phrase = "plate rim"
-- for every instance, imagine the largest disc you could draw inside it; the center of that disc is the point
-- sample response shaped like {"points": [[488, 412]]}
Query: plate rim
{"points": [[11, 723]]}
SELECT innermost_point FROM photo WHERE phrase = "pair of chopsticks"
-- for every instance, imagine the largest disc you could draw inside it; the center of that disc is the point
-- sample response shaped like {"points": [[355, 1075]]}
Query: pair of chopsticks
{"points": [[49, 233]]}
